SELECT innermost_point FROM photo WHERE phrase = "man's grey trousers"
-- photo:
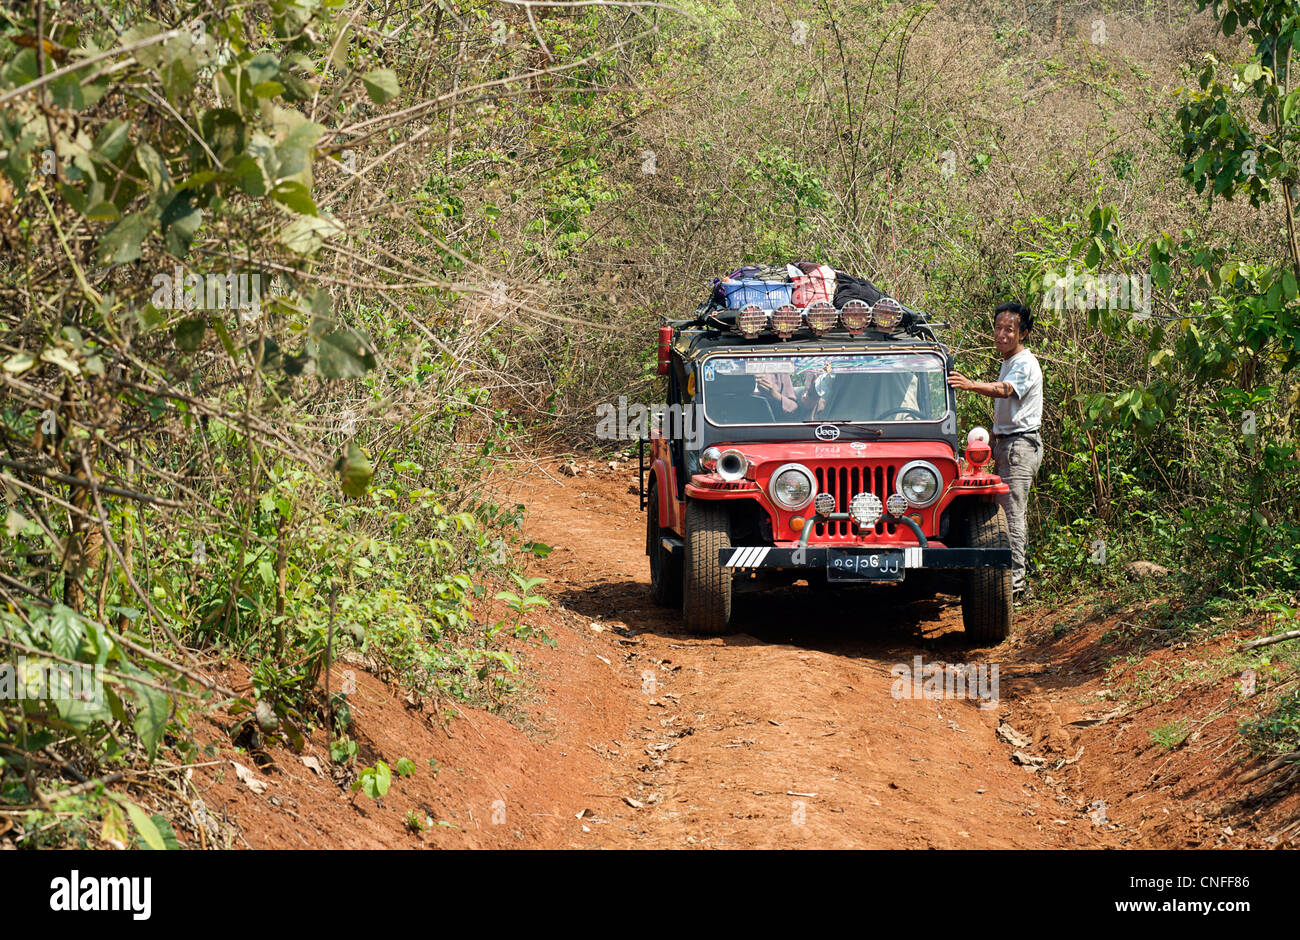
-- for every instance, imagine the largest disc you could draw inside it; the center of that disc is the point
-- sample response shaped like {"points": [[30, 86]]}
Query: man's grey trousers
{"points": [[1017, 459]]}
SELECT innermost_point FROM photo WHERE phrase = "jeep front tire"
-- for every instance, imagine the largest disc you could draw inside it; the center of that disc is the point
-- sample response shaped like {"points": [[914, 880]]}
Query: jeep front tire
{"points": [[986, 593], [706, 588]]}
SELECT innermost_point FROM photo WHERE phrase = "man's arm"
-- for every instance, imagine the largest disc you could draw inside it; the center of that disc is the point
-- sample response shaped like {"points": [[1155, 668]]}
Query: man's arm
{"points": [[988, 389]]}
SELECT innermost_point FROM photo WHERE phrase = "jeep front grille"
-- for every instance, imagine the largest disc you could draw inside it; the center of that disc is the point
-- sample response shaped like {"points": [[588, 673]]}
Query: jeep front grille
{"points": [[845, 482]]}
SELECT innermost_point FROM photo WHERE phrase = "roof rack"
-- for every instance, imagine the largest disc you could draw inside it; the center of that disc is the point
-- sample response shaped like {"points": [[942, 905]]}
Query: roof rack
{"points": [[886, 317]]}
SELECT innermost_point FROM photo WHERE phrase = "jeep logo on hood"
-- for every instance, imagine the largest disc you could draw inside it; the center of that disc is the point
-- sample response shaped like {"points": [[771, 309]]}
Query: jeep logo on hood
{"points": [[827, 432]]}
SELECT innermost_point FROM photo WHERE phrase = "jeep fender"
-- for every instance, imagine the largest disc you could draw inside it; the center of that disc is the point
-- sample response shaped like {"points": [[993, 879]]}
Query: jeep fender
{"points": [[670, 508]]}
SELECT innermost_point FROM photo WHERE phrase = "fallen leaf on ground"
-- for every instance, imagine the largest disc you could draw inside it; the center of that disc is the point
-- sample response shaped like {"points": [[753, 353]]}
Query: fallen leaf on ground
{"points": [[249, 778]]}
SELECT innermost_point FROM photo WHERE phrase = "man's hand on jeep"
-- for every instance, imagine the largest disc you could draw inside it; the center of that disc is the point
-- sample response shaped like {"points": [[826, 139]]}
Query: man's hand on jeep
{"points": [[988, 389], [960, 382], [788, 405]]}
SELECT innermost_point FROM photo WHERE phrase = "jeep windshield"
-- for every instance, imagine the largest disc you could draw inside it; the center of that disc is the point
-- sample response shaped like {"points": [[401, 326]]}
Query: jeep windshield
{"points": [[862, 388]]}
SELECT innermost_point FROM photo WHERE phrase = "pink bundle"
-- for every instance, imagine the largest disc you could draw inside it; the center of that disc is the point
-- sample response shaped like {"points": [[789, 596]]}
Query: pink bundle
{"points": [[812, 282]]}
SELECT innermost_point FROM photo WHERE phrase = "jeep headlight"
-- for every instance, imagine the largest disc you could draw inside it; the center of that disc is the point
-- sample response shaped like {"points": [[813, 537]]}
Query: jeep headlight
{"points": [[791, 486], [919, 482]]}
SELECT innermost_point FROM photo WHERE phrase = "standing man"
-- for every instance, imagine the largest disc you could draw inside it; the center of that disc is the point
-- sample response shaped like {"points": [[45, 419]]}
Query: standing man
{"points": [[1017, 413]]}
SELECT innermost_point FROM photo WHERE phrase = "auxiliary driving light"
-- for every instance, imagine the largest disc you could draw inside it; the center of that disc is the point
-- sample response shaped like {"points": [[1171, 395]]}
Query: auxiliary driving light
{"points": [[709, 459], [751, 320], [865, 509], [786, 319], [824, 504], [821, 316], [887, 313], [896, 504], [856, 316]]}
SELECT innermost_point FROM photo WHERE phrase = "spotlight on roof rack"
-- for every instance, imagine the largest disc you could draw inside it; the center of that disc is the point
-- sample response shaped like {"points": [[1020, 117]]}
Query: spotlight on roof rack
{"points": [[887, 313], [751, 320], [786, 319], [821, 316], [856, 316]]}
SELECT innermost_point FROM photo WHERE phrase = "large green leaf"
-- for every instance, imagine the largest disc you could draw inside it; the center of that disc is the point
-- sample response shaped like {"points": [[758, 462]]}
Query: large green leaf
{"points": [[121, 243], [223, 129], [180, 222], [154, 167], [307, 233], [189, 333], [354, 470], [151, 709], [294, 195], [143, 824], [345, 354], [262, 67], [247, 173], [65, 631], [381, 85]]}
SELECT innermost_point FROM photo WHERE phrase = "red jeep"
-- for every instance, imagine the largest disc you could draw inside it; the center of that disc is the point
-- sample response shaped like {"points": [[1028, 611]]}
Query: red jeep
{"points": [[821, 445]]}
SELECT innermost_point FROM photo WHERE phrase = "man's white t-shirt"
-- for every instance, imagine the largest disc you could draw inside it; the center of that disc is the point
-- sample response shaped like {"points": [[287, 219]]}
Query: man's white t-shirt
{"points": [[1023, 411]]}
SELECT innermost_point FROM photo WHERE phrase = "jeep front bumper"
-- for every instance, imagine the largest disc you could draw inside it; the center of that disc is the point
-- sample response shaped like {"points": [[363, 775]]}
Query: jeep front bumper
{"points": [[830, 557]]}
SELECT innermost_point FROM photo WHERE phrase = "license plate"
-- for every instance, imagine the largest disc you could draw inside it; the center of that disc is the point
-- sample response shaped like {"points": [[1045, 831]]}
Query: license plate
{"points": [[845, 565]]}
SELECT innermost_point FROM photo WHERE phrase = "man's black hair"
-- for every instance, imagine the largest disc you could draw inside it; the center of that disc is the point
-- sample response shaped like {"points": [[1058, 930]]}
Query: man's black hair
{"points": [[1020, 310]]}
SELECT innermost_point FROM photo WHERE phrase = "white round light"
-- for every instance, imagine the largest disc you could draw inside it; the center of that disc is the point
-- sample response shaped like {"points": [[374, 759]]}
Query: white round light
{"points": [[855, 315], [751, 320], [792, 486], [821, 316], [896, 504], [887, 313], [977, 434], [824, 504], [786, 319], [865, 509], [920, 482]]}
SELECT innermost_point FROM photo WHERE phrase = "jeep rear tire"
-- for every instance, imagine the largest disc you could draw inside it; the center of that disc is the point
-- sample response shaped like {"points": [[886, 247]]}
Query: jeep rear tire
{"points": [[706, 591], [986, 592], [665, 566]]}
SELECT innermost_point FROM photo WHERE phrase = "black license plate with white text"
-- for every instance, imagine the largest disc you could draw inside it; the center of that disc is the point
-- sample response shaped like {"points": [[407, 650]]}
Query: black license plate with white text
{"points": [[857, 565]]}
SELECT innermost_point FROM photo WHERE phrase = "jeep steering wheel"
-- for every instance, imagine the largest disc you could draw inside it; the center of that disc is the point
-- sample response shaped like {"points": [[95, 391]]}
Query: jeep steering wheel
{"points": [[904, 410]]}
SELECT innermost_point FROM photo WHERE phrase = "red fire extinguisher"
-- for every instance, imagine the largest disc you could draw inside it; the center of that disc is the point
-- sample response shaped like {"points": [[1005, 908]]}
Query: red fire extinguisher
{"points": [[665, 345]]}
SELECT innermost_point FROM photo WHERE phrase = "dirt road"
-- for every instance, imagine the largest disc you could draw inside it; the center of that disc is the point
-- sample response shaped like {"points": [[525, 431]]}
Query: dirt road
{"points": [[789, 733], [794, 731]]}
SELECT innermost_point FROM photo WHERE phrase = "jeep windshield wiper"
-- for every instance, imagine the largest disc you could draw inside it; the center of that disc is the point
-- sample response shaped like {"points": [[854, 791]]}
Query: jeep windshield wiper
{"points": [[857, 425]]}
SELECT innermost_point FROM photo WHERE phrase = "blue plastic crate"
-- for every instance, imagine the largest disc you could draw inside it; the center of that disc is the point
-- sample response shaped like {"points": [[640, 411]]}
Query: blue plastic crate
{"points": [[767, 294]]}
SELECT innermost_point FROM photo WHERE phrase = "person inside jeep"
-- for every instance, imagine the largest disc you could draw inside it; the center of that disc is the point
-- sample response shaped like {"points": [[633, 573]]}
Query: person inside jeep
{"points": [[778, 388]]}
